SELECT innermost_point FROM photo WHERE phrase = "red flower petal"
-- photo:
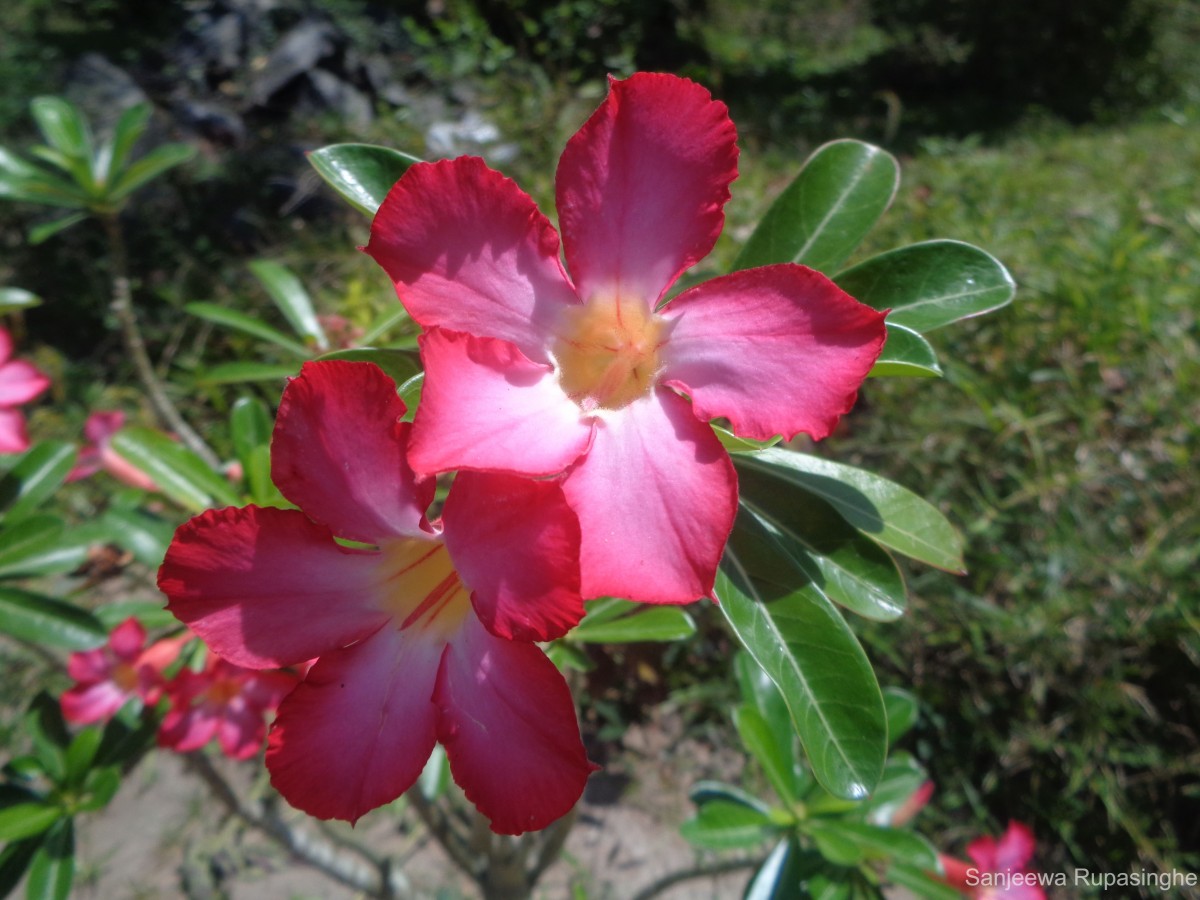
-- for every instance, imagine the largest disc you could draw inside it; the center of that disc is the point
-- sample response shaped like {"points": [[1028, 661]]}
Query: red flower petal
{"points": [[20, 382], [358, 730], [469, 251], [508, 724], [656, 497], [777, 350], [641, 186], [127, 639], [95, 702], [338, 452], [515, 544], [13, 436], [267, 588], [1015, 849], [486, 406]]}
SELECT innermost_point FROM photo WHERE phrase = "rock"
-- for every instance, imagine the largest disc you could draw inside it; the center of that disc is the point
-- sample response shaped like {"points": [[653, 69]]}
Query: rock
{"points": [[296, 54], [471, 134], [212, 121], [342, 97]]}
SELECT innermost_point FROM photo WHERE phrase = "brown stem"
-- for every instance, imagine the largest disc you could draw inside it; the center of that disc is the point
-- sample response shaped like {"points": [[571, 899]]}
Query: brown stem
{"points": [[708, 871], [135, 346], [370, 874]]}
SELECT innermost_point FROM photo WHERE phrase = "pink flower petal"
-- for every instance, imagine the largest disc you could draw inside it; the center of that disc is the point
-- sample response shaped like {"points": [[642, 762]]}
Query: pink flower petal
{"points": [[267, 588], [95, 702], [983, 853], [469, 251], [508, 724], [358, 730], [20, 382], [127, 639], [776, 350], [641, 186], [185, 729], [485, 406], [13, 436], [1016, 847], [90, 665], [101, 426], [656, 497], [515, 543], [338, 452], [241, 731], [6, 346]]}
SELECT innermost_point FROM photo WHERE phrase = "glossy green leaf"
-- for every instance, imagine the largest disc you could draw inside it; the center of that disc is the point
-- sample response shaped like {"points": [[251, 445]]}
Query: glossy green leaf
{"points": [[179, 473], [34, 478], [922, 883], [292, 299], [759, 741], [155, 163], [53, 866], [735, 444], [779, 877], [142, 534], [630, 622], [250, 426], [566, 656], [435, 777], [22, 820], [41, 233], [720, 825], [80, 754], [362, 173], [385, 324], [888, 513], [410, 393], [63, 126], [36, 546], [707, 791], [902, 777], [840, 193], [46, 190], [398, 365], [15, 858], [45, 620], [850, 843], [243, 372], [759, 691], [100, 786], [79, 169], [47, 731], [257, 479], [13, 299], [906, 354], [129, 128], [807, 649], [239, 321], [803, 541], [902, 711], [931, 284]]}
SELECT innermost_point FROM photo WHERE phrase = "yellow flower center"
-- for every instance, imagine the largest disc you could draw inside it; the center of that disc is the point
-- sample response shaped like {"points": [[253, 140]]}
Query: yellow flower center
{"points": [[423, 589], [125, 677], [607, 352]]}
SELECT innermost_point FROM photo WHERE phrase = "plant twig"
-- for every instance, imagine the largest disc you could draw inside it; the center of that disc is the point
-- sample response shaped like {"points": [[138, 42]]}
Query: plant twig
{"points": [[371, 874], [135, 345], [705, 871]]}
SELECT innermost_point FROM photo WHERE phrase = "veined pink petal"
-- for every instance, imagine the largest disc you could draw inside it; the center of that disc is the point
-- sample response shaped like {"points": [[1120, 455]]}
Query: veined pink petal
{"points": [[508, 724], [20, 382], [656, 497], [338, 452], [1015, 848], [358, 730], [95, 702], [127, 639], [267, 588], [776, 350], [641, 187], [469, 251], [485, 406], [13, 436], [515, 544]]}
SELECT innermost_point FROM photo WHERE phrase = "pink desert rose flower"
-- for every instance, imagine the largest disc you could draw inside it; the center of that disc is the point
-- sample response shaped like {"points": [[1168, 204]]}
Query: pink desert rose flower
{"points": [[999, 870], [534, 372], [98, 453], [20, 382], [223, 701], [422, 631], [109, 676]]}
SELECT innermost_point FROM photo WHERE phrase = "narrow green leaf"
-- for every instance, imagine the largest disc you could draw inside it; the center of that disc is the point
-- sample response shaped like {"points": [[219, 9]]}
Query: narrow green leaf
{"points": [[100, 786], [720, 825], [13, 299], [649, 623], [906, 354], [143, 535], [53, 867], [809, 652], [902, 712], [398, 365], [706, 791], [923, 884], [77, 168], [849, 843], [258, 483], [80, 754], [151, 614], [840, 193], [883, 510], [386, 324], [44, 620], [759, 740], [779, 877], [35, 546], [902, 778], [22, 820], [149, 167], [735, 444], [250, 426], [13, 166], [410, 393], [292, 299], [47, 730], [129, 128], [239, 321], [34, 478], [46, 189], [758, 690], [362, 173], [931, 284], [63, 126], [15, 858], [41, 233], [242, 372], [435, 777], [179, 473]]}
